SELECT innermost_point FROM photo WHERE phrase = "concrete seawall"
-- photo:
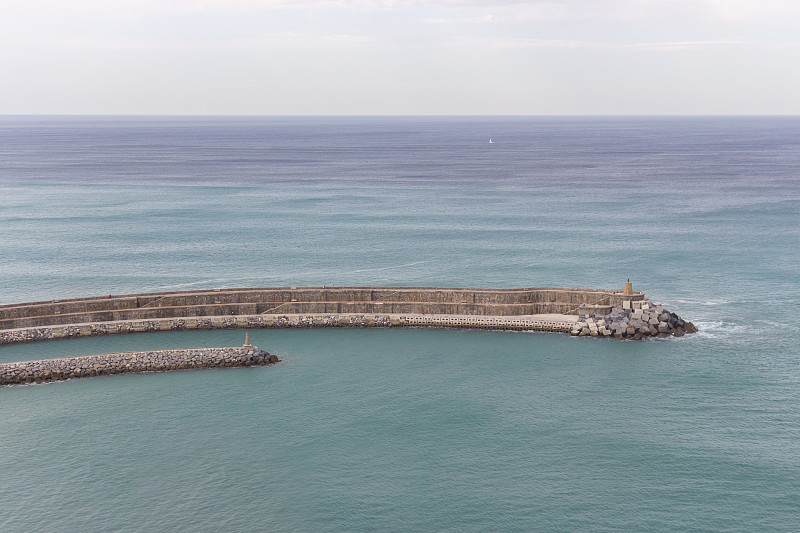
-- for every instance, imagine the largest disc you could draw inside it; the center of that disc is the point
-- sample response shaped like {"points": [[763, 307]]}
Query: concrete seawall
{"points": [[542, 309], [314, 300], [120, 363]]}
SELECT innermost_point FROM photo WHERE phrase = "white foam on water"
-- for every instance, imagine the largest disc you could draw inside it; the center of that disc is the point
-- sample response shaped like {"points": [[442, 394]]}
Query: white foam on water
{"points": [[173, 286], [705, 302], [377, 269], [715, 329], [724, 328]]}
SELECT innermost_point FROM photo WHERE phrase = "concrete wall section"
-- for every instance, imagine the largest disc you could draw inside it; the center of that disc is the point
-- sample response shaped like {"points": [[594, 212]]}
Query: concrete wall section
{"points": [[318, 300]]}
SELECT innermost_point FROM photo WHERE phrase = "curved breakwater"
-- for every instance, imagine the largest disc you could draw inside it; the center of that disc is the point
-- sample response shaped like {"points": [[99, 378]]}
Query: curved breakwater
{"points": [[538, 309], [120, 363]]}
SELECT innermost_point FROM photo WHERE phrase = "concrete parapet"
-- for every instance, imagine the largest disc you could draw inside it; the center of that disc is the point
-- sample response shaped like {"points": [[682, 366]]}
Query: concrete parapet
{"points": [[306, 307], [320, 300]]}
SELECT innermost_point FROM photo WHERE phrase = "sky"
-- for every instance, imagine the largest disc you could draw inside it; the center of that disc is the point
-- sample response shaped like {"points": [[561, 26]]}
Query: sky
{"points": [[400, 57]]}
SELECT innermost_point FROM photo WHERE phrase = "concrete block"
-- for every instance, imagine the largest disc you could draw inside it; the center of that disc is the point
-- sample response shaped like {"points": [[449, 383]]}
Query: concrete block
{"points": [[626, 305]]}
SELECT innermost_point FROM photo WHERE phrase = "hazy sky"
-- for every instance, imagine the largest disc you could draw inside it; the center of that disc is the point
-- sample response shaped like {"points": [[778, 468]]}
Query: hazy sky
{"points": [[400, 57]]}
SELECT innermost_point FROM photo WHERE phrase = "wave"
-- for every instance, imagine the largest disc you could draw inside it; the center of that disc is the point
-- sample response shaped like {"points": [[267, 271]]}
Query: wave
{"points": [[189, 284], [715, 329], [376, 269], [705, 302]]}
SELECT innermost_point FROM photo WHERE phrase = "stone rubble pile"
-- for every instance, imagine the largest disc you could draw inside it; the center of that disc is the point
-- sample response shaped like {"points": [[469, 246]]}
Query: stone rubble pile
{"points": [[119, 363], [634, 320]]}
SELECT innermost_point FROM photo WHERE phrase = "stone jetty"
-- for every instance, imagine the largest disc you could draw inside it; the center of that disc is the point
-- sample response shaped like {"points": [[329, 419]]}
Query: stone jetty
{"points": [[635, 320], [121, 363]]}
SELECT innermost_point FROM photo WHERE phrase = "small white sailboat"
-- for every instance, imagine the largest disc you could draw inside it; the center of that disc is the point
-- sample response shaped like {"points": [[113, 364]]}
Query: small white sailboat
{"points": [[491, 141]]}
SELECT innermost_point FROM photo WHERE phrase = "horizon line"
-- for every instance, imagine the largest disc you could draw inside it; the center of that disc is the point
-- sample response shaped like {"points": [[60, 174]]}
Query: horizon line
{"points": [[405, 115]]}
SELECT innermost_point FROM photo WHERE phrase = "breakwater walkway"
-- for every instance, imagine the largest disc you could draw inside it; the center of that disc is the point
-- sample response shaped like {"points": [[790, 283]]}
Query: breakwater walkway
{"points": [[538, 309], [119, 363], [562, 323]]}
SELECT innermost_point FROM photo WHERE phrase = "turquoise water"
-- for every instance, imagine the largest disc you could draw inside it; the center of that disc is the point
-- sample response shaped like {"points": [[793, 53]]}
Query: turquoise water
{"points": [[409, 430]]}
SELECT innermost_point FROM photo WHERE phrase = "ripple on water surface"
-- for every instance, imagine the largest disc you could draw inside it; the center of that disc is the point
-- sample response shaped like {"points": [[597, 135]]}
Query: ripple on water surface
{"points": [[428, 429]]}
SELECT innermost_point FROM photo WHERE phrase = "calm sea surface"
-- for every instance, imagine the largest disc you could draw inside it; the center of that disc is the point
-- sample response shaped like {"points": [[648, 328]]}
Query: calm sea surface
{"points": [[411, 430]]}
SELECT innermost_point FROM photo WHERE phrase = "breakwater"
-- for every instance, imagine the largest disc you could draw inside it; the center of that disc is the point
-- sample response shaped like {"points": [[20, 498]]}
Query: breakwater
{"points": [[544, 309], [634, 320], [120, 363], [313, 300]]}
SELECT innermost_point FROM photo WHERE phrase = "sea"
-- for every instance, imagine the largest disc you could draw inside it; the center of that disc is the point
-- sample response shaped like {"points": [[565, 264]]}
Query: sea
{"points": [[411, 429]]}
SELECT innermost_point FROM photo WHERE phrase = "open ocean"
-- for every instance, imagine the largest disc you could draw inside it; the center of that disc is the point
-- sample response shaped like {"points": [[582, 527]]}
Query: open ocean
{"points": [[411, 429]]}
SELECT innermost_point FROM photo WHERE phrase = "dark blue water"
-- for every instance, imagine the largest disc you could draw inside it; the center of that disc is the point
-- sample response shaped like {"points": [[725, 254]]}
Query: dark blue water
{"points": [[411, 429]]}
